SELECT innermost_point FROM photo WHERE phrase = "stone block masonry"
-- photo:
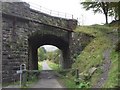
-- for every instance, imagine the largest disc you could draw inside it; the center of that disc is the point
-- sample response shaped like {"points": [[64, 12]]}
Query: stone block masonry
{"points": [[24, 30]]}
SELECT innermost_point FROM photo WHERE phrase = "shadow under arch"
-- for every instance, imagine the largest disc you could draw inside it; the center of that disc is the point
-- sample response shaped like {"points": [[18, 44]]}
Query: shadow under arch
{"points": [[37, 40]]}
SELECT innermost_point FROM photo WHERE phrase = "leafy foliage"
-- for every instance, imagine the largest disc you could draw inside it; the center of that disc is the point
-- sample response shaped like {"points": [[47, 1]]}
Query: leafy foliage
{"points": [[102, 7], [52, 65], [39, 65], [107, 8], [41, 54], [54, 56]]}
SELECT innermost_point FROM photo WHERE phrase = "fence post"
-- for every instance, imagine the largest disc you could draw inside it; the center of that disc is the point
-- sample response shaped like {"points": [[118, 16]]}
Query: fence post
{"points": [[77, 73], [77, 77], [24, 78]]}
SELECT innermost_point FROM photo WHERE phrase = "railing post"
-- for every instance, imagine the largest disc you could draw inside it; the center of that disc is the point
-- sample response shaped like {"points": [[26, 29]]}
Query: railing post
{"points": [[65, 15], [58, 14], [50, 12], [40, 8], [72, 16]]}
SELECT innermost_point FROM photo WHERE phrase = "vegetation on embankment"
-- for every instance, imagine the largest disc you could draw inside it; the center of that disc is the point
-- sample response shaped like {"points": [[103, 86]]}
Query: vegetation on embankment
{"points": [[39, 65], [53, 65], [92, 57]]}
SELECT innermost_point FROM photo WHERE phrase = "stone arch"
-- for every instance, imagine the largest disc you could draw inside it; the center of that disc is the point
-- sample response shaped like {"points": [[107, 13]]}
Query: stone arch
{"points": [[36, 40]]}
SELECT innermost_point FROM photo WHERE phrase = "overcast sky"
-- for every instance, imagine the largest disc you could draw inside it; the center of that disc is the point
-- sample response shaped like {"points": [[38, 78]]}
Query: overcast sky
{"points": [[71, 7]]}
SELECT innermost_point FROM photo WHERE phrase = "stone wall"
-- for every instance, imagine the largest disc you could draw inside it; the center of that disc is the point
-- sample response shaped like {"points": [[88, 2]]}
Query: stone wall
{"points": [[78, 42], [19, 23], [16, 36], [14, 47]]}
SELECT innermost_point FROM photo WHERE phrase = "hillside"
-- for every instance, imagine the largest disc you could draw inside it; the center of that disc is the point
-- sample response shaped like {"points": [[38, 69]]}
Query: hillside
{"points": [[98, 62]]}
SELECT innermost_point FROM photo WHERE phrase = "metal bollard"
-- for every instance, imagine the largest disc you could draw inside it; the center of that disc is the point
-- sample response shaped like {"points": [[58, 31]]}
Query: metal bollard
{"points": [[22, 75]]}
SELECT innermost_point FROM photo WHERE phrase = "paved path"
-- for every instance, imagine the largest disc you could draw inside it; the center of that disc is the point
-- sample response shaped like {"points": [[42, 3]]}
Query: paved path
{"points": [[47, 78], [0, 86], [105, 67], [45, 66]]}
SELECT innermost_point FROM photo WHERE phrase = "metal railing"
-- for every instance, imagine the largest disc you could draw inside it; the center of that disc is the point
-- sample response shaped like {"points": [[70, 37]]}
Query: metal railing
{"points": [[51, 12]]}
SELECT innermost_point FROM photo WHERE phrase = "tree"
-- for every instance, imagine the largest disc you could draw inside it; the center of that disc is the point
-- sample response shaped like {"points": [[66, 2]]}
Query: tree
{"points": [[114, 10], [57, 54], [54, 56], [41, 54], [101, 7], [107, 8], [119, 10]]}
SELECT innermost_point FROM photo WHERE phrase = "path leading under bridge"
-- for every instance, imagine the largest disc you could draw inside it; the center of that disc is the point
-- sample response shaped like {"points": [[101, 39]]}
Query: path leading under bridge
{"points": [[47, 78]]}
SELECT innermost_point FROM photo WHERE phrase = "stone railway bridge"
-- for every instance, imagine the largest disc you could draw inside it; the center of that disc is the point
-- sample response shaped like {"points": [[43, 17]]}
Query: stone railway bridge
{"points": [[24, 30]]}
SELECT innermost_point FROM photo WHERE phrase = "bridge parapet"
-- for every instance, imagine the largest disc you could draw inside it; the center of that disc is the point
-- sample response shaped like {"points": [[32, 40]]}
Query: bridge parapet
{"points": [[22, 9]]}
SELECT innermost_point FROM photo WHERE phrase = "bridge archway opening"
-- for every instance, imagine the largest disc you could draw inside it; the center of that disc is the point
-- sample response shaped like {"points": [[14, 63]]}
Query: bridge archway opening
{"points": [[49, 57], [37, 40]]}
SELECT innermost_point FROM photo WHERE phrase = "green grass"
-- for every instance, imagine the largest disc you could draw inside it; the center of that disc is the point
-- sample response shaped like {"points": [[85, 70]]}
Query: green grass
{"points": [[12, 83], [69, 83], [66, 80], [92, 55], [52, 65]]}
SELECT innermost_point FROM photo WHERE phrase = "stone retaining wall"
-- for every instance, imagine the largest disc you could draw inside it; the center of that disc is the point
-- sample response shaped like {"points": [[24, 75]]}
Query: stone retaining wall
{"points": [[78, 42]]}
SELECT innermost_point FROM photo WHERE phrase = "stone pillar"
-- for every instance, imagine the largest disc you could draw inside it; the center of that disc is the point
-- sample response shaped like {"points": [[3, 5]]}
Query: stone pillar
{"points": [[66, 59], [33, 59], [72, 23]]}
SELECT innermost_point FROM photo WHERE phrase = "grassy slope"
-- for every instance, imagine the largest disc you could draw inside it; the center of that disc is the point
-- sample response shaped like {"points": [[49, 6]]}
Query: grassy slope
{"points": [[92, 55]]}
